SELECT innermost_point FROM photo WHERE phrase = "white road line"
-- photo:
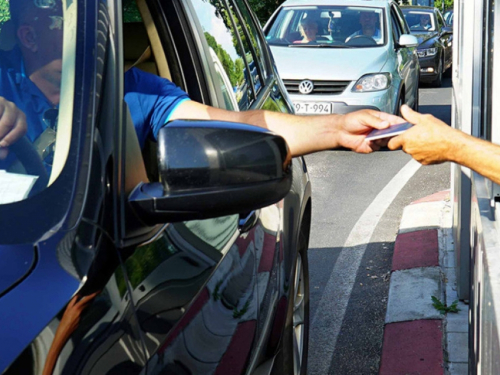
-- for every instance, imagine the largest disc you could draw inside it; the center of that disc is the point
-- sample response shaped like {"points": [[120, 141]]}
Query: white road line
{"points": [[334, 300]]}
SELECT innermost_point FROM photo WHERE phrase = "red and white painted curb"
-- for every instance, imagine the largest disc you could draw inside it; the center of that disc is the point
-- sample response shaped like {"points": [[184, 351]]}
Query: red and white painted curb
{"points": [[414, 330]]}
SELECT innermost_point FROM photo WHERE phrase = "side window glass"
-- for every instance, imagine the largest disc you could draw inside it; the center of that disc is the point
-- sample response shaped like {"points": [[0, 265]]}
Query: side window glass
{"points": [[251, 61], [254, 35], [396, 32], [226, 52]]}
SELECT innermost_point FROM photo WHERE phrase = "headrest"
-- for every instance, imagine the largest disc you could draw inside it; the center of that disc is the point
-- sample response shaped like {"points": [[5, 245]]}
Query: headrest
{"points": [[7, 36]]}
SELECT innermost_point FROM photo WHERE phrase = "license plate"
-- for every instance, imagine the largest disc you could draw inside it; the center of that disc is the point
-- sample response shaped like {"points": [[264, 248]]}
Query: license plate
{"points": [[312, 108]]}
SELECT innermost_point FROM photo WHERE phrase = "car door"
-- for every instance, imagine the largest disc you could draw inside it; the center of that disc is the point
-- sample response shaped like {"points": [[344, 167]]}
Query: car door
{"points": [[194, 284], [86, 323], [408, 63]]}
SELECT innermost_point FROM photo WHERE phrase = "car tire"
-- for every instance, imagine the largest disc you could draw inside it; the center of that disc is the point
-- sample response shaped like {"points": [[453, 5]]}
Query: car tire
{"points": [[438, 82], [296, 335]]}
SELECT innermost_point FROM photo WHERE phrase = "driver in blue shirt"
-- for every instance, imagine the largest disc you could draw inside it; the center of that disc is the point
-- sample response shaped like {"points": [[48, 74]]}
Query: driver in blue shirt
{"points": [[30, 81]]}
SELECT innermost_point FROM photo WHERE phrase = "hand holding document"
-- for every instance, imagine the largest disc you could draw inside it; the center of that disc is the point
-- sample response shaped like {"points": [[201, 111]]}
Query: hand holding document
{"points": [[15, 187], [391, 131]]}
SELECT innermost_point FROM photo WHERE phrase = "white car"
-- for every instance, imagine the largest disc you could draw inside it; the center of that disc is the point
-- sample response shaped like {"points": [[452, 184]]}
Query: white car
{"points": [[338, 56]]}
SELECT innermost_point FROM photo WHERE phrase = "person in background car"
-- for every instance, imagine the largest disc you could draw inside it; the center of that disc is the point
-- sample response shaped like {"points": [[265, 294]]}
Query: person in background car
{"points": [[431, 141], [30, 81], [368, 21], [425, 23], [308, 29]]}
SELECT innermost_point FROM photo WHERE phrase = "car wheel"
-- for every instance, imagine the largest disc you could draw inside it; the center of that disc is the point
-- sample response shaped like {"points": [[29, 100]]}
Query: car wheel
{"points": [[439, 79], [296, 337]]}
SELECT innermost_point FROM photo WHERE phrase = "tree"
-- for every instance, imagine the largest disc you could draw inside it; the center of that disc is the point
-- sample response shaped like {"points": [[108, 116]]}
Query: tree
{"points": [[4, 12], [264, 8], [447, 4]]}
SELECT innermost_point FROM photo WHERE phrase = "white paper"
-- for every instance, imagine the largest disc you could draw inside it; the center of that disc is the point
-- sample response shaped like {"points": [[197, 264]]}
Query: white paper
{"points": [[15, 187]]}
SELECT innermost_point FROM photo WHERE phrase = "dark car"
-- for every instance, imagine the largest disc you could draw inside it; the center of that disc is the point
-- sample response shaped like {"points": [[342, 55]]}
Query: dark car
{"points": [[448, 17], [188, 256], [435, 52]]}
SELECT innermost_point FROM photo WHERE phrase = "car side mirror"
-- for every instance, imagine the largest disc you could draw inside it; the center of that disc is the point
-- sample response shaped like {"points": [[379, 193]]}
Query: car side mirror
{"points": [[407, 40], [213, 168], [447, 30]]}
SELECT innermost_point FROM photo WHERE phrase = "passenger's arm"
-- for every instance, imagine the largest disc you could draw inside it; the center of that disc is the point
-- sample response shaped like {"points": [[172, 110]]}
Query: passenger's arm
{"points": [[12, 125], [304, 134], [431, 141]]}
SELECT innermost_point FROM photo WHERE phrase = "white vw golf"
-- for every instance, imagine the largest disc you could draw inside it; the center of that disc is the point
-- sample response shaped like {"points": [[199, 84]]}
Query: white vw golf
{"points": [[338, 56]]}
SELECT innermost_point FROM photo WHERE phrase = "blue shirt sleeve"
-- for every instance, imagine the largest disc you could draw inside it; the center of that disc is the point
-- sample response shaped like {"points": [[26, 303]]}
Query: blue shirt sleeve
{"points": [[151, 101]]}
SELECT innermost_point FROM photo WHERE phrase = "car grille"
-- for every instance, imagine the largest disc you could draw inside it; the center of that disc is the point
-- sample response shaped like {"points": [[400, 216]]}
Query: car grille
{"points": [[320, 87]]}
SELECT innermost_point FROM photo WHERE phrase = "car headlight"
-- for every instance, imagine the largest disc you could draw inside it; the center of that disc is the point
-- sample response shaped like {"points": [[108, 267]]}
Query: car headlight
{"points": [[373, 82], [427, 52]]}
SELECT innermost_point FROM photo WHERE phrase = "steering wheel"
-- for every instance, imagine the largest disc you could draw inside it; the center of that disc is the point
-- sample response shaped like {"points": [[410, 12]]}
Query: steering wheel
{"points": [[31, 161], [360, 41]]}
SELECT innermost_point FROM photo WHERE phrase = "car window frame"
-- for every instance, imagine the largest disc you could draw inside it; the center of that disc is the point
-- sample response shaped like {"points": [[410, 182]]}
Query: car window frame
{"points": [[401, 18], [396, 29], [261, 63], [440, 20]]}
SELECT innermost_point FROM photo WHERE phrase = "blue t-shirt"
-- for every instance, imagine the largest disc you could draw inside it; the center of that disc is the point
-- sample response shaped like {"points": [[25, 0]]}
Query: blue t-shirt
{"points": [[151, 99]]}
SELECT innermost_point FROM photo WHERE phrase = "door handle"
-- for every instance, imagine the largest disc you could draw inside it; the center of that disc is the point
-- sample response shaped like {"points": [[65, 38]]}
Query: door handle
{"points": [[248, 221]]}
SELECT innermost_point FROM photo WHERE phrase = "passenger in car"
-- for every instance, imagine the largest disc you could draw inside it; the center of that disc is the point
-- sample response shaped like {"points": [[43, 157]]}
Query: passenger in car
{"points": [[30, 81], [424, 24], [308, 30], [431, 141], [368, 21]]}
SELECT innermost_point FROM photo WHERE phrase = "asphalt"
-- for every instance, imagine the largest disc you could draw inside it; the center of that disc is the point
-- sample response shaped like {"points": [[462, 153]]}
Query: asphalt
{"points": [[418, 338]]}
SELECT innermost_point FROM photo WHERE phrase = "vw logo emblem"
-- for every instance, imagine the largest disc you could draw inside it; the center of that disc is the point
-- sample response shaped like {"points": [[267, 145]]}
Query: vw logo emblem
{"points": [[306, 87]]}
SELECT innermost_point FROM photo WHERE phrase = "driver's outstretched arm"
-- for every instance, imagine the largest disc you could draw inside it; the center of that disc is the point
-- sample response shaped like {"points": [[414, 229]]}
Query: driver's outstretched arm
{"points": [[304, 134], [12, 125]]}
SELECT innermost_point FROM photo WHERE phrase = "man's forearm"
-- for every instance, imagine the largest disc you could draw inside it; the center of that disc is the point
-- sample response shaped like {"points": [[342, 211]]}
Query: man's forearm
{"points": [[478, 155], [304, 134]]}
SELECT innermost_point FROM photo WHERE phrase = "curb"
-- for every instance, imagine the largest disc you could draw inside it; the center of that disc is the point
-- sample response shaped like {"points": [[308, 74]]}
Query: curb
{"points": [[415, 340]]}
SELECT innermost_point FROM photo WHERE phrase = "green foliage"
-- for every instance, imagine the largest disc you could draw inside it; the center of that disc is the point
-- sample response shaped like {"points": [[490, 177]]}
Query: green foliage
{"points": [[4, 12], [234, 69], [443, 308], [447, 4], [130, 11], [264, 8]]}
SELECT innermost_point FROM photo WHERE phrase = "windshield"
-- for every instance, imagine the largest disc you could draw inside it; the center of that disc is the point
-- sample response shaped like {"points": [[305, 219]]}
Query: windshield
{"points": [[37, 59], [420, 21], [328, 26]]}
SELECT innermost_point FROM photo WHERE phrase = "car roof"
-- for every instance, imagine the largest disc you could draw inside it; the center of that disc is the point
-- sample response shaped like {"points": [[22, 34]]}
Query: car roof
{"points": [[354, 3]]}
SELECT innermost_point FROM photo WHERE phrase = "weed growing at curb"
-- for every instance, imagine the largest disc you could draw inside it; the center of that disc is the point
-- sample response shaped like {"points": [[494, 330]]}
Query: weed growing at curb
{"points": [[443, 308]]}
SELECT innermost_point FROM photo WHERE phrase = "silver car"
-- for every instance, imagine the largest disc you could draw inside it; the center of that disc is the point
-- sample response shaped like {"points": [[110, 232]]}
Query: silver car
{"points": [[338, 56]]}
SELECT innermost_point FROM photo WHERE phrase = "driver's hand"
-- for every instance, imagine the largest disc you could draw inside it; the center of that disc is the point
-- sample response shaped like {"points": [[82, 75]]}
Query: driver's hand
{"points": [[12, 125]]}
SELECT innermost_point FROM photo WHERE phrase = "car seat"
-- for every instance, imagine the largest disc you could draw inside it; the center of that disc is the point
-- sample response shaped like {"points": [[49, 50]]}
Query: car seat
{"points": [[136, 49]]}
